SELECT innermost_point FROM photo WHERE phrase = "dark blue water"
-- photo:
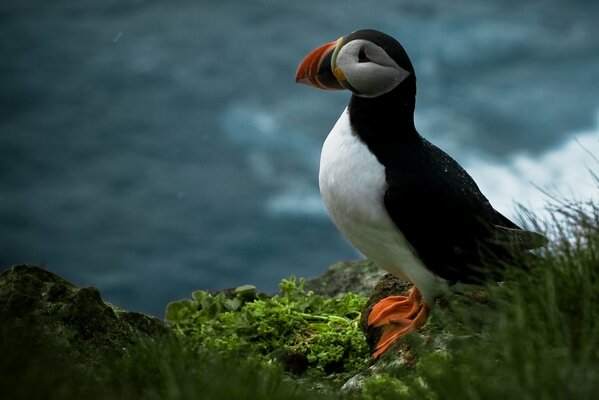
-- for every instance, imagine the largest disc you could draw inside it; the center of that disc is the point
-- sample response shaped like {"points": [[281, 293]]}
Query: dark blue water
{"points": [[151, 148]]}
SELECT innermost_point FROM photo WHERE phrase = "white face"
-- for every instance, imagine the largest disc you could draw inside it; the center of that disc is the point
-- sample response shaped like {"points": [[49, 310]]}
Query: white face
{"points": [[367, 68]]}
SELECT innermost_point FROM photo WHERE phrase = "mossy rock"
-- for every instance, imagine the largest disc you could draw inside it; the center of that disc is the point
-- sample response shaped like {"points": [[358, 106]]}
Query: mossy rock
{"points": [[463, 304], [37, 305], [359, 276]]}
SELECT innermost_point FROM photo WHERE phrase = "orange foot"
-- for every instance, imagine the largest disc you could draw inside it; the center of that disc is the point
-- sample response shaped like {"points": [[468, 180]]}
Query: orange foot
{"points": [[400, 315]]}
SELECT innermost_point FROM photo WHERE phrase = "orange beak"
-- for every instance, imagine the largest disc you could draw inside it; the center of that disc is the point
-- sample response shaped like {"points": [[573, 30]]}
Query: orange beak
{"points": [[315, 69]]}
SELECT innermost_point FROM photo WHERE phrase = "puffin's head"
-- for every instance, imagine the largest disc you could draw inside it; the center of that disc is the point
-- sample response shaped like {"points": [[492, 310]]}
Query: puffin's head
{"points": [[367, 62]]}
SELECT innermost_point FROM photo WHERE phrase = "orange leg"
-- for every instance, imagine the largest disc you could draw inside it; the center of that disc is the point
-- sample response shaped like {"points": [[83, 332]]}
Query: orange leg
{"points": [[400, 315]]}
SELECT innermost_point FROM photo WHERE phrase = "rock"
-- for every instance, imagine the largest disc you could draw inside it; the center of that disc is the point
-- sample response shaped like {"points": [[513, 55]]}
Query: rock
{"points": [[346, 277], [400, 355], [38, 305], [460, 304], [388, 285]]}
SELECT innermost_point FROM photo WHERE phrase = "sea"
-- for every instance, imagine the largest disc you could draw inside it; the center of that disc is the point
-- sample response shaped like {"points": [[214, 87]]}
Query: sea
{"points": [[151, 148]]}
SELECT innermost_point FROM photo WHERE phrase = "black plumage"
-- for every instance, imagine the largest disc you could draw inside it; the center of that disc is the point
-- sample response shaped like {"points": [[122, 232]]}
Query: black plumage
{"points": [[431, 199]]}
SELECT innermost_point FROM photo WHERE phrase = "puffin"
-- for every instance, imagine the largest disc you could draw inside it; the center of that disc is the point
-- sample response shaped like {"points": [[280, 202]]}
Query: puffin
{"points": [[399, 199]]}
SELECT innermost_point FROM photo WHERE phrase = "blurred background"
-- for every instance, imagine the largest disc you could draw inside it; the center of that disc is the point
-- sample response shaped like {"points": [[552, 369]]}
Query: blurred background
{"points": [[154, 147]]}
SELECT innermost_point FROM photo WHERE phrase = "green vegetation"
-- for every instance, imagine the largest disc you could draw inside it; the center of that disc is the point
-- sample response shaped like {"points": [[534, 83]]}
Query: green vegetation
{"points": [[152, 370], [537, 338], [303, 330]]}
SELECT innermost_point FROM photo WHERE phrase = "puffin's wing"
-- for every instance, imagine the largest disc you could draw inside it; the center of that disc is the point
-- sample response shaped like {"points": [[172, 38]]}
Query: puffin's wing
{"points": [[451, 225], [518, 239]]}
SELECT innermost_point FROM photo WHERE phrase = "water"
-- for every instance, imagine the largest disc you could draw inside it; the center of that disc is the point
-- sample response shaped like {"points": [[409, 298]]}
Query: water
{"points": [[151, 148]]}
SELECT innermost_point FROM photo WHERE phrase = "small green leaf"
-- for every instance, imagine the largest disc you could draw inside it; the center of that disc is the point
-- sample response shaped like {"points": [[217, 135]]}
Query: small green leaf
{"points": [[211, 310], [232, 304], [245, 289], [263, 296], [200, 295], [178, 311], [206, 302]]}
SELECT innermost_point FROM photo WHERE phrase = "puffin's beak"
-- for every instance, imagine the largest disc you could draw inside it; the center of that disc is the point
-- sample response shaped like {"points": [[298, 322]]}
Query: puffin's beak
{"points": [[315, 69]]}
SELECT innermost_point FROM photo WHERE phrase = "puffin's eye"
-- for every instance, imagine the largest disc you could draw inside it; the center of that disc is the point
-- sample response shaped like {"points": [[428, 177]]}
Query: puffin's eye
{"points": [[362, 56]]}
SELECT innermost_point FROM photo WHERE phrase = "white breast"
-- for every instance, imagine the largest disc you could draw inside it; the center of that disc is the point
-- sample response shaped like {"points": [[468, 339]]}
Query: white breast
{"points": [[352, 185]]}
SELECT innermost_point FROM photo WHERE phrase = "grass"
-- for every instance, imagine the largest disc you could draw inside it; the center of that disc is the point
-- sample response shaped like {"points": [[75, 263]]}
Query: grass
{"points": [[538, 339], [167, 369]]}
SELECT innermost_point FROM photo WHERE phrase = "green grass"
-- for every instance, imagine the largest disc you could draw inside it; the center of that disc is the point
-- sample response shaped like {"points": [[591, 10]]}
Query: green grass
{"points": [[538, 338], [166, 369]]}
